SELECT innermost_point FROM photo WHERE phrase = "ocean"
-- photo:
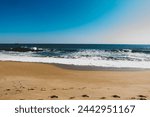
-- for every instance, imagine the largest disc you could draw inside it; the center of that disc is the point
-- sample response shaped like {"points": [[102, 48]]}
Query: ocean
{"points": [[98, 55]]}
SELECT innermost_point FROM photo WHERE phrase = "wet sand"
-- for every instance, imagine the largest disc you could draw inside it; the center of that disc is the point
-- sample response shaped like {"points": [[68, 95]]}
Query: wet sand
{"points": [[24, 81]]}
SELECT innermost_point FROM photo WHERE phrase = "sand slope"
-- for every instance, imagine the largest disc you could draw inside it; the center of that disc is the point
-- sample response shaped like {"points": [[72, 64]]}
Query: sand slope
{"points": [[46, 81]]}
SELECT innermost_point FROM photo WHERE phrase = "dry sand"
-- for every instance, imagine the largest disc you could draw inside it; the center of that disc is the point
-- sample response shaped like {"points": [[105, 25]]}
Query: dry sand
{"points": [[46, 81]]}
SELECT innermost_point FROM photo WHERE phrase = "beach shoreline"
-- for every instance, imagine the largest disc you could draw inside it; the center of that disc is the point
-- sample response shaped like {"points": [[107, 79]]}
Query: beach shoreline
{"points": [[38, 81], [85, 67], [97, 68]]}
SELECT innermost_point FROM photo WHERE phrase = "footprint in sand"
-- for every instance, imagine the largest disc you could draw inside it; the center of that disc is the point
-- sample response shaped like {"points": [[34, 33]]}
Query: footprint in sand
{"points": [[103, 98], [53, 96], [71, 97], [54, 89], [115, 96], [29, 89], [142, 96], [142, 99], [132, 98], [43, 89], [18, 91], [85, 96], [7, 90], [68, 88]]}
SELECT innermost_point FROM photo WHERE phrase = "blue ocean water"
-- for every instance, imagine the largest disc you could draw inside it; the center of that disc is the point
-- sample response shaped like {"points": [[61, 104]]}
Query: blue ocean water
{"points": [[102, 55]]}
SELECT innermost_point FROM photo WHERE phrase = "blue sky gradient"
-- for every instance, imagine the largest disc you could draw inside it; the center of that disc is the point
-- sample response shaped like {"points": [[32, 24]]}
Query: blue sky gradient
{"points": [[74, 21]]}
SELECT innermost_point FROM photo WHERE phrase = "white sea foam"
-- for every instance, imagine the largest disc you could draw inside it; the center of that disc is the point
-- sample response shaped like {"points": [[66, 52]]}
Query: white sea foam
{"points": [[78, 61]]}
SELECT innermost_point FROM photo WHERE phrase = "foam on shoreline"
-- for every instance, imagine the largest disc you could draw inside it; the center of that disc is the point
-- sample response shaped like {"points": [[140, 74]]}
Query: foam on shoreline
{"points": [[79, 61]]}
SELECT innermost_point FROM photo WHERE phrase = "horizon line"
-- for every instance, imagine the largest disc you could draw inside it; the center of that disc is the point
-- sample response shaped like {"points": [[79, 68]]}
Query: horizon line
{"points": [[83, 43]]}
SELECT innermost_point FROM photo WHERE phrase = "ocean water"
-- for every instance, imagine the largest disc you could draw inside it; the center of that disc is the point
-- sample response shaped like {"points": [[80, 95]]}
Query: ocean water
{"points": [[99, 55]]}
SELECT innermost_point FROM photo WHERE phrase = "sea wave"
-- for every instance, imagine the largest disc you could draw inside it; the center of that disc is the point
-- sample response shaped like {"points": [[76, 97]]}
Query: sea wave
{"points": [[82, 55], [82, 61], [34, 48]]}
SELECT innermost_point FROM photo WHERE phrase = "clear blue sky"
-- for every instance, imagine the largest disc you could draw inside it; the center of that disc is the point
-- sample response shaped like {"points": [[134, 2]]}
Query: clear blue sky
{"points": [[74, 21]]}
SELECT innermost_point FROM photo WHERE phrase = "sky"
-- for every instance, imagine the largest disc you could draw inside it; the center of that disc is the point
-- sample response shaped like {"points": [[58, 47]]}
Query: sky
{"points": [[75, 21]]}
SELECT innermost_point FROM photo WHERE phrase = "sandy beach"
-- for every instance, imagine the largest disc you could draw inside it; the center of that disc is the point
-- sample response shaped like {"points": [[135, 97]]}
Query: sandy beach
{"points": [[27, 81]]}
